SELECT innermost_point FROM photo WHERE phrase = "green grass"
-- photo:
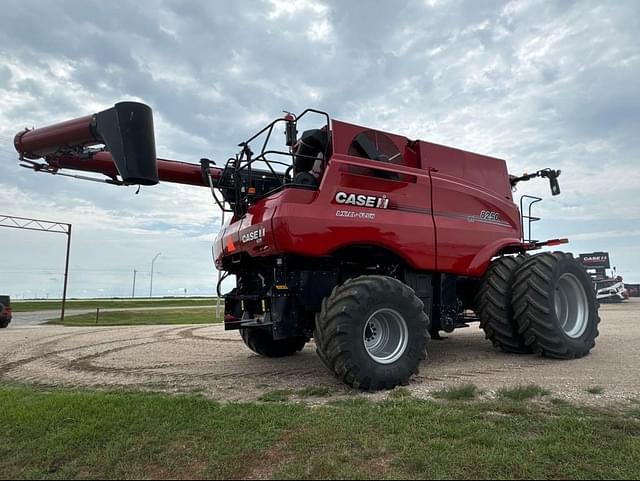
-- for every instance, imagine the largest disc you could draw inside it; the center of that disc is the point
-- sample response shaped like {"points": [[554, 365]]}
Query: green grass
{"points": [[139, 318], [29, 306], [318, 391], [276, 396], [65, 434], [595, 390], [457, 393], [400, 393], [523, 393], [559, 402], [98, 435]]}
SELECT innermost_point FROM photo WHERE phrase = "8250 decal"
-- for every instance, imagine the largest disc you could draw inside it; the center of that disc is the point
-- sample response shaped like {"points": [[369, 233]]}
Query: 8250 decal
{"points": [[489, 215]]}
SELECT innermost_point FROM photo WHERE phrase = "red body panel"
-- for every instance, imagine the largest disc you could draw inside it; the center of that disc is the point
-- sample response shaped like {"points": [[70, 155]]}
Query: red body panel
{"points": [[451, 211], [473, 208]]}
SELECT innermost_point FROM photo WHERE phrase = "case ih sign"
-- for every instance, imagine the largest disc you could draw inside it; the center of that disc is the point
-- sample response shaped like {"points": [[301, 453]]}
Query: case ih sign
{"points": [[596, 260]]}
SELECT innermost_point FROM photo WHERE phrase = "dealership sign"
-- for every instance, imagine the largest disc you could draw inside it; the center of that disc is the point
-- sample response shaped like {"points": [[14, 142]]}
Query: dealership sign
{"points": [[596, 260]]}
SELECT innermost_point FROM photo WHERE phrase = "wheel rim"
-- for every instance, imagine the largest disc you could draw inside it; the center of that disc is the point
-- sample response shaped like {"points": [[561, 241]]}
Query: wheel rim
{"points": [[571, 305], [385, 336]]}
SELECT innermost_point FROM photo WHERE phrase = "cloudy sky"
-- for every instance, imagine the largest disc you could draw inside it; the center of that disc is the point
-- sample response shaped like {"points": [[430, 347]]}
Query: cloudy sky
{"points": [[539, 83]]}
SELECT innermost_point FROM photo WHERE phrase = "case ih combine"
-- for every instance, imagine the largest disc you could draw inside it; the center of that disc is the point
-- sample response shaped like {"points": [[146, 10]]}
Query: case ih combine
{"points": [[366, 241]]}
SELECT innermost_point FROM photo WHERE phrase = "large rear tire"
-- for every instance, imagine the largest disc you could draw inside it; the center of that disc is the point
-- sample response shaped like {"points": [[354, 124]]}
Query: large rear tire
{"points": [[494, 309], [555, 306], [261, 342], [372, 332]]}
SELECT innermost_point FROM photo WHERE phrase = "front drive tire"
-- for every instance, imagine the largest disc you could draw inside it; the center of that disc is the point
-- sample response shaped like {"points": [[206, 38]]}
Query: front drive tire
{"points": [[372, 332], [555, 306], [261, 342]]}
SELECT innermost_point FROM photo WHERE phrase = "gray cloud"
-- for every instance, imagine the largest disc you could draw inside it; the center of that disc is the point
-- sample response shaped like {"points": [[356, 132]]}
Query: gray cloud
{"points": [[538, 83]]}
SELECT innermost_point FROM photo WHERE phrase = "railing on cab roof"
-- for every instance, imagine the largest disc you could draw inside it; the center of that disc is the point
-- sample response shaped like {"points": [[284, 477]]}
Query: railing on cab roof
{"points": [[237, 176]]}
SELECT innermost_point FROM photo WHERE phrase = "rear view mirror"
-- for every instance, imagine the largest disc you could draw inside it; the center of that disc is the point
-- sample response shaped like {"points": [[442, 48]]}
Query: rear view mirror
{"points": [[555, 185]]}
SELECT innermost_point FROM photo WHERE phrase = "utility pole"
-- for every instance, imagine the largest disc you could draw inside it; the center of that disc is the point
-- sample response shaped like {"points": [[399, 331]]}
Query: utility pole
{"points": [[66, 274], [152, 263], [133, 293]]}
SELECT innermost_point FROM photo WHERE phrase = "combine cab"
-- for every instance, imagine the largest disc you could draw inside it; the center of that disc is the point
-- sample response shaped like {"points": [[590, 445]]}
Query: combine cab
{"points": [[366, 241]]}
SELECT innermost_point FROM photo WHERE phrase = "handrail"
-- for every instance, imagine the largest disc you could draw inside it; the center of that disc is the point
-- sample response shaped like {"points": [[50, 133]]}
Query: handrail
{"points": [[245, 160], [529, 217]]}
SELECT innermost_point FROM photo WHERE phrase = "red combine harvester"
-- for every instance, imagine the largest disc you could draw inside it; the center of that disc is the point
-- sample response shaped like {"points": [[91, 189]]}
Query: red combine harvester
{"points": [[366, 241]]}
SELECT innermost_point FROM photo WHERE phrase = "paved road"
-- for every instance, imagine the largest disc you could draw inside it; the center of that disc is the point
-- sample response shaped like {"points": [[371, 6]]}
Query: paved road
{"points": [[208, 360], [39, 318]]}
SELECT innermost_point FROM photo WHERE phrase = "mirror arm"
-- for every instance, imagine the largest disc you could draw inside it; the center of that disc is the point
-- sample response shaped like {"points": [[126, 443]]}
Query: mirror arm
{"points": [[550, 174]]}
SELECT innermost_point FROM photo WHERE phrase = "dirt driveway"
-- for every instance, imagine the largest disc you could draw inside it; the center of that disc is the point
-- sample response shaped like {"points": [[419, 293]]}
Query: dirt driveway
{"points": [[209, 360]]}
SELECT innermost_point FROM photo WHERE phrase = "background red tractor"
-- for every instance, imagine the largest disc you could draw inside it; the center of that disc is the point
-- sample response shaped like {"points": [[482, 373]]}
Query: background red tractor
{"points": [[5, 312], [367, 241]]}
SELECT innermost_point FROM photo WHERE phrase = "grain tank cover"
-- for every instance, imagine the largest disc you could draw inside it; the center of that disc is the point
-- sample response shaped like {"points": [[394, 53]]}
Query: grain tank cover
{"points": [[486, 172]]}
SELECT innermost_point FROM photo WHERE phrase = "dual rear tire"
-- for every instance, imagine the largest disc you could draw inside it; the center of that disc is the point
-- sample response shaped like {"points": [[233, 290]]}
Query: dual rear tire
{"points": [[544, 304], [555, 306], [494, 308]]}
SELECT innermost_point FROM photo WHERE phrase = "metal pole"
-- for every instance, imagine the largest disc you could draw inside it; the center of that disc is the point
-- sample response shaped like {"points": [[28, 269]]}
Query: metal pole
{"points": [[133, 293], [43, 226], [66, 275], [219, 276], [152, 263]]}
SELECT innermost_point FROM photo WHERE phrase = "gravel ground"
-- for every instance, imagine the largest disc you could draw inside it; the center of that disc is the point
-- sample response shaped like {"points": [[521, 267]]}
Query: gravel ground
{"points": [[208, 360]]}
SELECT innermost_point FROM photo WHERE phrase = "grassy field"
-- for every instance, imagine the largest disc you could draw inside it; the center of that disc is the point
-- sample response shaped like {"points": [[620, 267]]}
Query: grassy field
{"points": [[206, 315], [64, 434], [30, 306]]}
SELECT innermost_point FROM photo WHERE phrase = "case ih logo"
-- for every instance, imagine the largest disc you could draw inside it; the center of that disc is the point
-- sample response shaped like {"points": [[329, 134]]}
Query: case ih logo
{"points": [[254, 235], [362, 200], [595, 260]]}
